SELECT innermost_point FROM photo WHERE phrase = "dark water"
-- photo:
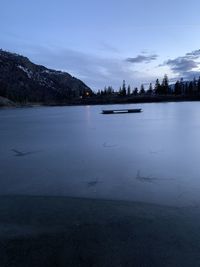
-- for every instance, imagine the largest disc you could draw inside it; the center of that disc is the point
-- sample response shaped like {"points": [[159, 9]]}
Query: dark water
{"points": [[153, 156]]}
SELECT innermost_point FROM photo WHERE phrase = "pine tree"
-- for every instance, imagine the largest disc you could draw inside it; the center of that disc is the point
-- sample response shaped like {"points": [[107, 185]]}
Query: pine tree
{"points": [[124, 88], [194, 86], [150, 90], [190, 88], [157, 87], [109, 90], [142, 91], [120, 91], [177, 88], [165, 85], [198, 85], [186, 88], [182, 86], [135, 91]]}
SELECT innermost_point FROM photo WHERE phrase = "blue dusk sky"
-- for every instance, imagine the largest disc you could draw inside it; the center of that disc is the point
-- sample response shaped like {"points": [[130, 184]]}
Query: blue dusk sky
{"points": [[103, 42]]}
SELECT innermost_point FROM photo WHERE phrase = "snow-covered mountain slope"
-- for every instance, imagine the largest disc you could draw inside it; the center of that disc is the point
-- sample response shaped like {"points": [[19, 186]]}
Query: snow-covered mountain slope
{"points": [[23, 81]]}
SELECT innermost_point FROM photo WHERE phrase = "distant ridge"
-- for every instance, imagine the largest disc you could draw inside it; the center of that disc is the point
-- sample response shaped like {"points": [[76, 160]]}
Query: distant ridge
{"points": [[25, 82]]}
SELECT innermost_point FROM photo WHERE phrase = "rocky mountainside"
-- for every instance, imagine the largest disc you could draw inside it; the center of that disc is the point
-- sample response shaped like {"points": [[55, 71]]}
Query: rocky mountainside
{"points": [[23, 81]]}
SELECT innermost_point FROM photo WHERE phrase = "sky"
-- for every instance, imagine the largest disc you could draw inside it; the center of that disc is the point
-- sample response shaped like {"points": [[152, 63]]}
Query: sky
{"points": [[104, 42]]}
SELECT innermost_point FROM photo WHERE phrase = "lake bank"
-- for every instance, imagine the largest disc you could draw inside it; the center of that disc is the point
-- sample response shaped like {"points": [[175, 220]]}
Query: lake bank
{"points": [[107, 100], [62, 231]]}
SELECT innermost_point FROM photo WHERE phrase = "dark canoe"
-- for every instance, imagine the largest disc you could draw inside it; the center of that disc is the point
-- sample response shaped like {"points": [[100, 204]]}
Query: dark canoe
{"points": [[117, 111]]}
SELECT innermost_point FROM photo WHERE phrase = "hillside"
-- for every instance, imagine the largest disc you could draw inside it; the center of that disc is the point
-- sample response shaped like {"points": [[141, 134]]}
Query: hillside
{"points": [[23, 81]]}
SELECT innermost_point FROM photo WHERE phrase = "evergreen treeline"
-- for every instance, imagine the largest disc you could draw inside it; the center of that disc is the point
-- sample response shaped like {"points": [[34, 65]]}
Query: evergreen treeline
{"points": [[184, 88]]}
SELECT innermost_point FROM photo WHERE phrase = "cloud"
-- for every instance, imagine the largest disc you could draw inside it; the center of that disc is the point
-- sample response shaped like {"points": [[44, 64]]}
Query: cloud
{"points": [[181, 64], [191, 75], [194, 54], [142, 58], [96, 71], [184, 65]]}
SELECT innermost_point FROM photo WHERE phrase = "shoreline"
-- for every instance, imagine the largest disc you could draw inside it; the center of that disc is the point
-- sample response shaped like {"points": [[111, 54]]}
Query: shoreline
{"points": [[107, 101]]}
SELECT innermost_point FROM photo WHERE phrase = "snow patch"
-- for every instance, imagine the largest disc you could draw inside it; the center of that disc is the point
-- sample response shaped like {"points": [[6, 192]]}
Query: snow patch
{"points": [[53, 72], [27, 71], [46, 71]]}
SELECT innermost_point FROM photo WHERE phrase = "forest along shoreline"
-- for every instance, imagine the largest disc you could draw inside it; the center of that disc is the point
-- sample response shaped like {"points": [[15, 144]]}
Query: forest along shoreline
{"points": [[99, 100]]}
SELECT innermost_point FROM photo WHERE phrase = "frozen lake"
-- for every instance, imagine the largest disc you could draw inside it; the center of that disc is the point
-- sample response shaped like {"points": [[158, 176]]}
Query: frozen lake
{"points": [[151, 156]]}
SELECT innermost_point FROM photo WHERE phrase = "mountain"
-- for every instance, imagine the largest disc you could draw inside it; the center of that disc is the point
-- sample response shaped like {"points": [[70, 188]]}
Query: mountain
{"points": [[23, 81]]}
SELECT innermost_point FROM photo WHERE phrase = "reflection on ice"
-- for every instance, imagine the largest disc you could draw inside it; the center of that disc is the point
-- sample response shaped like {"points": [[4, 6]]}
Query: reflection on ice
{"points": [[150, 157], [22, 154]]}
